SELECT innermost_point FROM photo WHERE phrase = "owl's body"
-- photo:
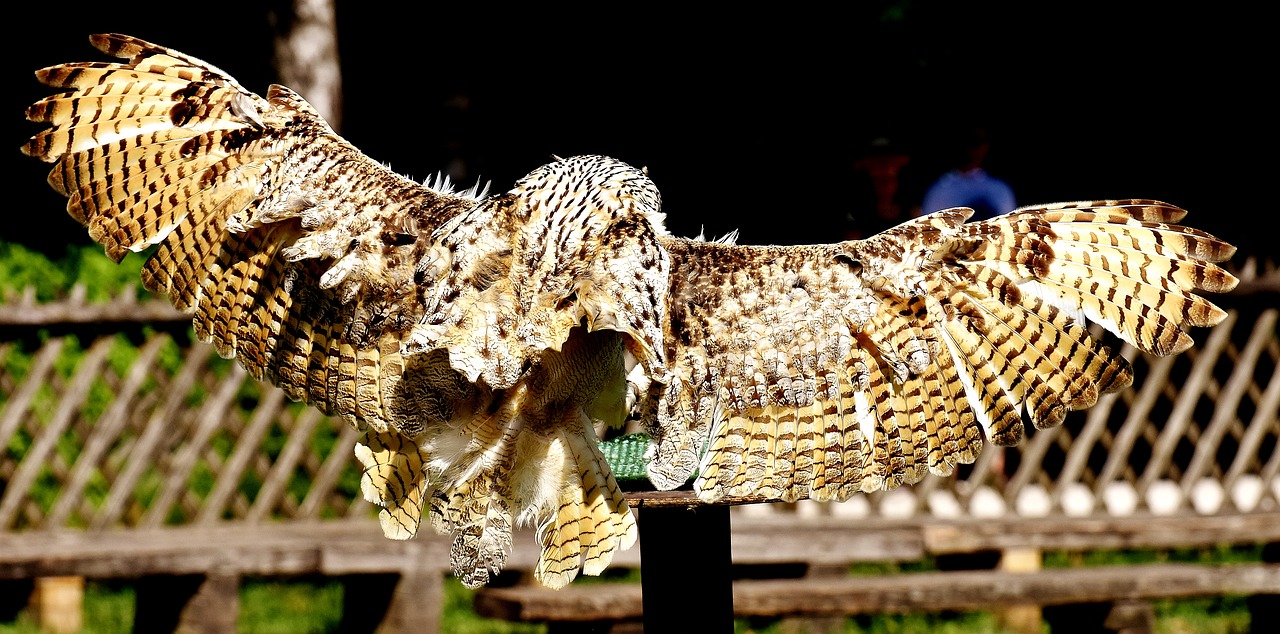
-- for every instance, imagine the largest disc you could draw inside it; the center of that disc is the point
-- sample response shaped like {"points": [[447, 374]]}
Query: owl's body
{"points": [[479, 340]]}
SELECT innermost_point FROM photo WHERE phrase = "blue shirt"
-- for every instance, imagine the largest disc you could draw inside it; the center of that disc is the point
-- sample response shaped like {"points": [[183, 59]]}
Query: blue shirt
{"points": [[975, 188]]}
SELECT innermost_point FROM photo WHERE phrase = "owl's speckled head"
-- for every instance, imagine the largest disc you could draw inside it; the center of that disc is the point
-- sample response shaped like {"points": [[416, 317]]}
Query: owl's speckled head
{"points": [[631, 186]]}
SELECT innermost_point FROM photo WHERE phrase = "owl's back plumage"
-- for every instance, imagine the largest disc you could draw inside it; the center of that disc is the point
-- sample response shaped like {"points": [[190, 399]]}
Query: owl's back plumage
{"points": [[478, 340]]}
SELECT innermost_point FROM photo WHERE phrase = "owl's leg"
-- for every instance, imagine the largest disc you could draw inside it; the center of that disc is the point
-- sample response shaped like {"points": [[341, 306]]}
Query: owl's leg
{"points": [[677, 447]]}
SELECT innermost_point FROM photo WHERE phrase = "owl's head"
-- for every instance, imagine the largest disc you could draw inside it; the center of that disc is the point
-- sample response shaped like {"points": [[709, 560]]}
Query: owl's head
{"points": [[608, 181]]}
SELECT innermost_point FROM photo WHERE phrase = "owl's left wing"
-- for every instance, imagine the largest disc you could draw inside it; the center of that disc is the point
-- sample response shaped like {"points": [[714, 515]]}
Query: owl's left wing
{"points": [[819, 371]]}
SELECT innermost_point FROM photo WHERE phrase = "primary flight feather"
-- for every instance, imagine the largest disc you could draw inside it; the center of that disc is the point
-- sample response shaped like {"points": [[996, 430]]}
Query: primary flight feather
{"points": [[477, 340]]}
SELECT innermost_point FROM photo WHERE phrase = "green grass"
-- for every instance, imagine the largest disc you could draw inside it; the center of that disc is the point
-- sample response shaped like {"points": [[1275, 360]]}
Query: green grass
{"points": [[284, 607], [273, 607], [1215, 615], [108, 609], [460, 618], [949, 623]]}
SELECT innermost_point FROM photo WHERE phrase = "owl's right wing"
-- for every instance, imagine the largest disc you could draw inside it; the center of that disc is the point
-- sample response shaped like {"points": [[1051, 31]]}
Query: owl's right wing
{"points": [[819, 371], [296, 253]]}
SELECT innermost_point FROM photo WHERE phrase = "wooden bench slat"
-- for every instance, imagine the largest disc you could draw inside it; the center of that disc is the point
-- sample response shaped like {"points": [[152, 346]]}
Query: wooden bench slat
{"points": [[968, 590], [905, 592], [288, 548], [837, 541], [358, 544], [123, 309], [1099, 533]]}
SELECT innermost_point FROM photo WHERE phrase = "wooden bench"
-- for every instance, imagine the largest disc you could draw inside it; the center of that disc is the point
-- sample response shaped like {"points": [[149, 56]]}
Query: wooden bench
{"points": [[191, 576], [837, 542]]}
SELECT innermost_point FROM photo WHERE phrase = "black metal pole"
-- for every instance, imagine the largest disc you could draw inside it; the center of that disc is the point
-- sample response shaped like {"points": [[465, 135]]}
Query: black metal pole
{"points": [[685, 560]]}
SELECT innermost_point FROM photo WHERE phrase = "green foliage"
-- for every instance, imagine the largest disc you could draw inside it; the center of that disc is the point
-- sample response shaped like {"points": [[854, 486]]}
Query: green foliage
{"points": [[1212, 615], [890, 567], [1221, 554], [170, 358], [102, 279], [21, 268]]}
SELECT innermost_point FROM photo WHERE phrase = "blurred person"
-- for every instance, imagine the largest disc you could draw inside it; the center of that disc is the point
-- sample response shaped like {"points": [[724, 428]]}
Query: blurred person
{"points": [[968, 184], [882, 194]]}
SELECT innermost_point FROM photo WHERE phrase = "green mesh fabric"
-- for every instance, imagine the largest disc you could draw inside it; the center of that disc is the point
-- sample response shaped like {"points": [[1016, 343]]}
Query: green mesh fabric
{"points": [[625, 455]]}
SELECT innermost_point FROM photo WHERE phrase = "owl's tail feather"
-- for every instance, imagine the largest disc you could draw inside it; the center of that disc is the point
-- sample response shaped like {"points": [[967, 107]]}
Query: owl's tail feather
{"points": [[473, 501], [591, 521], [508, 475], [721, 468]]}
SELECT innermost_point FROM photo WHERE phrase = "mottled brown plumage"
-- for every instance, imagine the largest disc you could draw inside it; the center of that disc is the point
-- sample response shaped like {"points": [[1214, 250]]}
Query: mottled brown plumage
{"points": [[478, 340]]}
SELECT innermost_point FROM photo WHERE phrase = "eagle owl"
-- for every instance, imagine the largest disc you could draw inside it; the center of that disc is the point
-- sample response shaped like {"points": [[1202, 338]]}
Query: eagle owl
{"points": [[478, 340]]}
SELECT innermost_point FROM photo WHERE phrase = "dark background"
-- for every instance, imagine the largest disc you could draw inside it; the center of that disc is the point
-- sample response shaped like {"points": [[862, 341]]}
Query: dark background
{"points": [[751, 118]]}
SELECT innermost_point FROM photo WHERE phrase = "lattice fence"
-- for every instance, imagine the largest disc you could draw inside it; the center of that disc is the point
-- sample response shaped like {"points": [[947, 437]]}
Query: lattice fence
{"points": [[158, 432], [109, 425]]}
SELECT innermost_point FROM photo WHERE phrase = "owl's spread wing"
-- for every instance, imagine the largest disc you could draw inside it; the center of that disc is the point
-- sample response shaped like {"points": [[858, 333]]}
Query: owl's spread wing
{"points": [[476, 341], [295, 252], [819, 371]]}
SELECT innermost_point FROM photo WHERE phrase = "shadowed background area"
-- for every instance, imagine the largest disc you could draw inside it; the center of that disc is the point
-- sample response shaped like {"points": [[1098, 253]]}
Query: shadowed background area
{"points": [[749, 120]]}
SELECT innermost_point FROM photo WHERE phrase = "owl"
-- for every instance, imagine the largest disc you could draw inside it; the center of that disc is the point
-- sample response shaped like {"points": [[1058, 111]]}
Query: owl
{"points": [[480, 340]]}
